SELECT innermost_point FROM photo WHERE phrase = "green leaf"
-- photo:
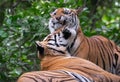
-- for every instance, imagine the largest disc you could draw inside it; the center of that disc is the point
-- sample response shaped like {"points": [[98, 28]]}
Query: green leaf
{"points": [[3, 34]]}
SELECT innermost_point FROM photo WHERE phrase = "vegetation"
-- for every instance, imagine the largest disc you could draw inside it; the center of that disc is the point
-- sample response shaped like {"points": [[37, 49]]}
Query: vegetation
{"points": [[23, 22]]}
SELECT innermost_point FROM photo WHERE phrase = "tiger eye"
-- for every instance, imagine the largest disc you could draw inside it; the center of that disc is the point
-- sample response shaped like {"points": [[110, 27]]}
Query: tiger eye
{"points": [[54, 13]]}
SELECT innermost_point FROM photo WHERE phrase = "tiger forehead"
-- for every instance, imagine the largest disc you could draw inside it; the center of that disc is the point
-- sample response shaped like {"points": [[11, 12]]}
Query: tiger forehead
{"points": [[50, 36], [57, 12], [61, 11]]}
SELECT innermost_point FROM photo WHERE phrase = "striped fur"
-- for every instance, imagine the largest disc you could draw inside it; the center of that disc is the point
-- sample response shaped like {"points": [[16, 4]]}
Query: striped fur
{"points": [[58, 67], [98, 49], [52, 76]]}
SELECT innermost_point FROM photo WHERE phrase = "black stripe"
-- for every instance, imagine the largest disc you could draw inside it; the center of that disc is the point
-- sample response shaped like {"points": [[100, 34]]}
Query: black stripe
{"points": [[38, 77], [60, 41], [72, 19], [116, 59], [75, 22], [97, 61], [86, 79], [76, 77], [56, 41], [63, 45], [68, 49], [30, 78], [67, 80], [58, 34], [50, 44], [51, 40], [50, 80], [57, 50]]}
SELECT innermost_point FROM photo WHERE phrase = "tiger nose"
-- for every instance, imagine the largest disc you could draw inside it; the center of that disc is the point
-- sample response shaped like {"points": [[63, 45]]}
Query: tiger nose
{"points": [[58, 18]]}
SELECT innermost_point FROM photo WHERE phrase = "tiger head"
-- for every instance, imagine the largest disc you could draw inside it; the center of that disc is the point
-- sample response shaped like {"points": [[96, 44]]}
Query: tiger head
{"points": [[64, 16], [44, 50], [56, 43]]}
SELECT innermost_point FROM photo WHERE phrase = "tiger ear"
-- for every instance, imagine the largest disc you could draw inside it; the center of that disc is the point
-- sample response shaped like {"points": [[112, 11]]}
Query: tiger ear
{"points": [[40, 49], [80, 9]]}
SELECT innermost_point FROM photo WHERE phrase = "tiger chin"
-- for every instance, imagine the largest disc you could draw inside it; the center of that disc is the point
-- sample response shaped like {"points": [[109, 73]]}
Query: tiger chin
{"points": [[57, 66], [98, 49]]}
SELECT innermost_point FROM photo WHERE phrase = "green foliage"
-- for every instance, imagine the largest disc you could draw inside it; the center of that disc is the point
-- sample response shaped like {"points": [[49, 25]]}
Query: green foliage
{"points": [[29, 22]]}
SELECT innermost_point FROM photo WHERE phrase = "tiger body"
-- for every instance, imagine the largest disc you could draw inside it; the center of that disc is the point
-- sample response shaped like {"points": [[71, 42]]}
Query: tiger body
{"points": [[98, 49], [56, 66]]}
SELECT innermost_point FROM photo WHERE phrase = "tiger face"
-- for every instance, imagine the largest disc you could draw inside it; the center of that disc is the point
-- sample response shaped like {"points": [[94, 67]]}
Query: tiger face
{"points": [[63, 17]]}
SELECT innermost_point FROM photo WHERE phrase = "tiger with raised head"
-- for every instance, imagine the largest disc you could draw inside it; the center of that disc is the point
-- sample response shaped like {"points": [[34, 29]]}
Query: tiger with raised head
{"points": [[56, 66], [98, 49]]}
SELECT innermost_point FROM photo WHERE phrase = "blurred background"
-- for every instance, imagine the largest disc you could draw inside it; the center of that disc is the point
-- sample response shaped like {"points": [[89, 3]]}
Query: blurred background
{"points": [[22, 22]]}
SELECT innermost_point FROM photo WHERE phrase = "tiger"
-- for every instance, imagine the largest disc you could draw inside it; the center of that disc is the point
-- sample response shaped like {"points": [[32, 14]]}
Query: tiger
{"points": [[58, 66], [97, 49]]}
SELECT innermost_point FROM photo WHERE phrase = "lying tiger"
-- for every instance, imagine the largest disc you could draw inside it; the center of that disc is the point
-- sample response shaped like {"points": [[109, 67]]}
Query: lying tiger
{"points": [[57, 66], [98, 49]]}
